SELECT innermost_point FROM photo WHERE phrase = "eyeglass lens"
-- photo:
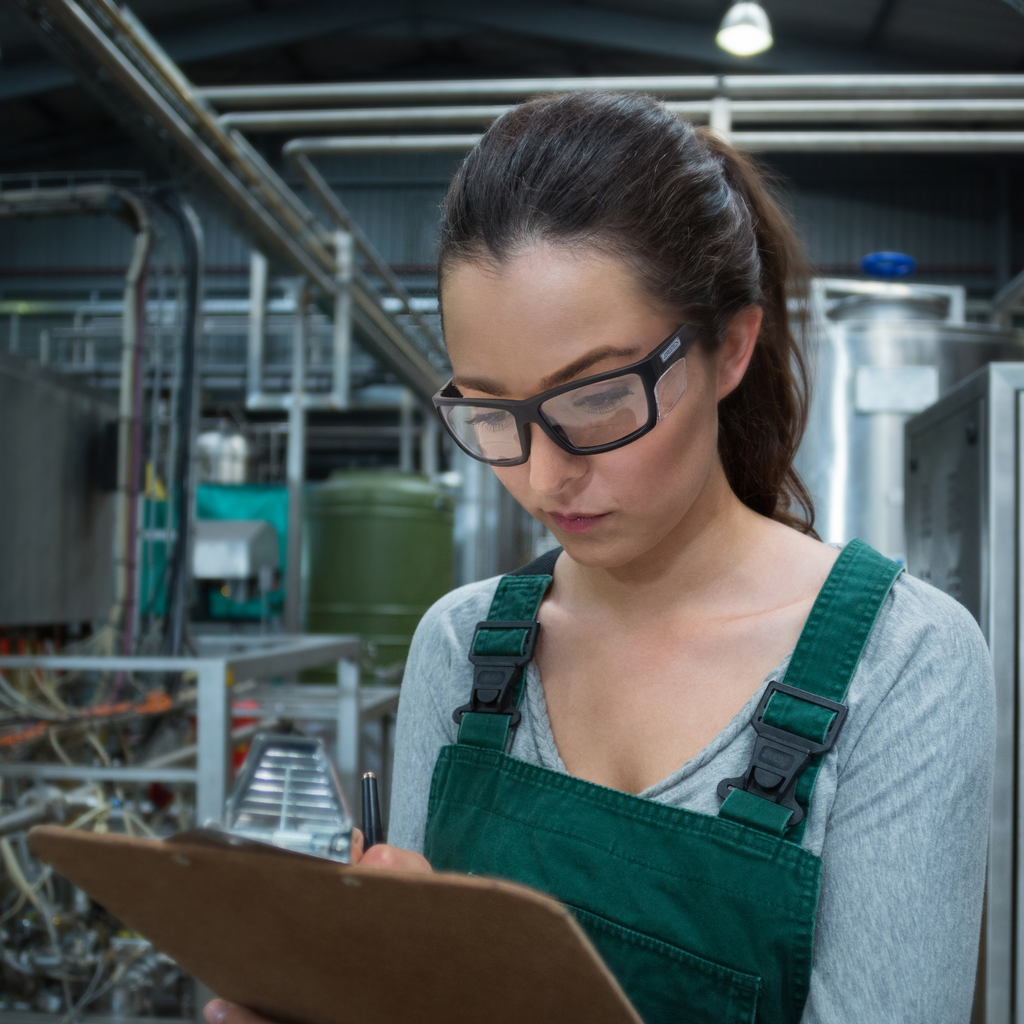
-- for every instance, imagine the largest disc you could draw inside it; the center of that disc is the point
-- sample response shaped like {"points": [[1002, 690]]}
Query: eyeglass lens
{"points": [[586, 417], [489, 433]]}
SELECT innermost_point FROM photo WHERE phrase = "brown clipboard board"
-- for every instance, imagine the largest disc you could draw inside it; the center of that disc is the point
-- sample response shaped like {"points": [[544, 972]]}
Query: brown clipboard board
{"points": [[312, 941]]}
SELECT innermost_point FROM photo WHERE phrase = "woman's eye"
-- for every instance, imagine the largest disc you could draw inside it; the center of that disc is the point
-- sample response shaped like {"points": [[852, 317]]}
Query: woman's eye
{"points": [[490, 420], [602, 401]]}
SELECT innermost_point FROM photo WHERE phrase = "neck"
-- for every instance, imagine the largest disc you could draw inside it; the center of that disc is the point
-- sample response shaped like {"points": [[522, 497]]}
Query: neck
{"points": [[701, 560]]}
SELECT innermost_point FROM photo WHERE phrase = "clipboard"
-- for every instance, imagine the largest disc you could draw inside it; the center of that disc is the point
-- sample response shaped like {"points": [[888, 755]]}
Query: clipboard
{"points": [[312, 941]]}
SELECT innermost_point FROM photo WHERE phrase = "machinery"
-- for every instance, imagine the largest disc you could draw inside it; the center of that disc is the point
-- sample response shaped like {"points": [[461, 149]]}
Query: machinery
{"points": [[880, 352], [58, 475], [379, 555], [963, 460], [237, 557]]}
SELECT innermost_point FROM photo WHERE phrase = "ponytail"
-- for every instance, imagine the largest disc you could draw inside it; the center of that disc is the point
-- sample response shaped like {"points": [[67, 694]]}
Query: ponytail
{"points": [[761, 423]]}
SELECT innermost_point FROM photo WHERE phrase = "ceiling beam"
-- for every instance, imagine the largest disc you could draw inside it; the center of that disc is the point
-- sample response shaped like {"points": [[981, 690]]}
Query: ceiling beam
{"points": [[558, 22]]}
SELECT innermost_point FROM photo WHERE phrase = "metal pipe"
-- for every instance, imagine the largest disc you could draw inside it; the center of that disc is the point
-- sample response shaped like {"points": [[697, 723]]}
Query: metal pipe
{"points": [[429, 437], [129, 435], [189, 752], [400, 117], [880, 142], [296, 464], [260, 177], [697, 87], [52, 806], [334, 206], [781, 141], [189, 124], [381, 144], [190, 231], [340, 392], [405, 432], [745, 111], [387, 339], [257, 323], [1006, 298]]}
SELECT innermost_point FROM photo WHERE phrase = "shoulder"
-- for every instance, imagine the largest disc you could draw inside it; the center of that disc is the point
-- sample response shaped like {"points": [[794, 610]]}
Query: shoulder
{"points": [[450, 621], [926, 666], [919, 621]]}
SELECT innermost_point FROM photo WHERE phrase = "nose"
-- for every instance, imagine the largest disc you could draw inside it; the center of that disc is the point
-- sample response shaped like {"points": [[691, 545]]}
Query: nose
{"points": [[552, 468]]}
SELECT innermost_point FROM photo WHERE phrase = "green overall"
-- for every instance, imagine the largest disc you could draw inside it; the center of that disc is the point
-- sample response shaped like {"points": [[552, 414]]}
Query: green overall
{"points": [[701, 918]]}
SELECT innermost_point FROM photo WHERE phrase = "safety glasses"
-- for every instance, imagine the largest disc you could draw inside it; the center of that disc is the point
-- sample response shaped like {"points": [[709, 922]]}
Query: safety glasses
{"points": [[595, 414]]}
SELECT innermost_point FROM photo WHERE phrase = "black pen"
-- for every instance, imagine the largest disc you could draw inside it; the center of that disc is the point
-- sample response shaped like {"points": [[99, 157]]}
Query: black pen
{"points": [[371, 812]]}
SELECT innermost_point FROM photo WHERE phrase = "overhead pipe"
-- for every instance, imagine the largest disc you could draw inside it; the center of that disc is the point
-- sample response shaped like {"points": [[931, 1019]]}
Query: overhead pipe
{"points": [[110, 38], [765, 142], [880, 142], [740, 111], [665, 86], [380, 144], [295, 154], [111, 50]]}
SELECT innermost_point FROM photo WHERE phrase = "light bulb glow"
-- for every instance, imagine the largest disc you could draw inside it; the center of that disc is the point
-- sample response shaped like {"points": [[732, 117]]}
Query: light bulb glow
{"points": [[745, 30]]}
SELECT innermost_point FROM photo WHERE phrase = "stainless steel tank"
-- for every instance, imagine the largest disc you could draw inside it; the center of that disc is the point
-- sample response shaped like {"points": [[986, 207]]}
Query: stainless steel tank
{"points": [[879, 354]]}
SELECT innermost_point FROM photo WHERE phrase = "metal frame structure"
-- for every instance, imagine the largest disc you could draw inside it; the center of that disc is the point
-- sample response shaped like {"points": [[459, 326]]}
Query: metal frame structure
{"points": [[963, 462], [221, 661]]}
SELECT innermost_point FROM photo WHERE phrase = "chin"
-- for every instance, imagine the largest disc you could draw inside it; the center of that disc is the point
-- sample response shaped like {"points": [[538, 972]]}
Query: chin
{"points": [[599, 552]]}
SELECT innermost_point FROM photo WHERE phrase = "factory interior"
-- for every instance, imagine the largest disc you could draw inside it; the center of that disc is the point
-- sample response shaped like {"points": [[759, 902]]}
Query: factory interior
{"points": [[226, 499]]}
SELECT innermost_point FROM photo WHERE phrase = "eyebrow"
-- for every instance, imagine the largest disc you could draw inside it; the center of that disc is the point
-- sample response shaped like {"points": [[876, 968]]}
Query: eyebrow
{"points": [[562, 376]]}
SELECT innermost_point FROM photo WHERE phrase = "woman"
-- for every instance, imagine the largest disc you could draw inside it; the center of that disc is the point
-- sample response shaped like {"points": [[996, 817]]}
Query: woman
{"points": [[748, 827]]}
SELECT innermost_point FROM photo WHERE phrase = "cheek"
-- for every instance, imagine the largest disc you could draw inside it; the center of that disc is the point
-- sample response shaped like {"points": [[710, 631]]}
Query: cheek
{"points": [[670, 462], [678, 450]]}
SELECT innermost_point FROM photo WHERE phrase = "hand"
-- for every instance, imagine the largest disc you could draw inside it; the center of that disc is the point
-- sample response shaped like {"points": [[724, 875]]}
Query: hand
{"points": [[379, 856]]}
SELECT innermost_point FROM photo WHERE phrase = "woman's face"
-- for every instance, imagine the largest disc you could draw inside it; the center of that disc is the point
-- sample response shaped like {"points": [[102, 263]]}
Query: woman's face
{"points": [[552, 315]]}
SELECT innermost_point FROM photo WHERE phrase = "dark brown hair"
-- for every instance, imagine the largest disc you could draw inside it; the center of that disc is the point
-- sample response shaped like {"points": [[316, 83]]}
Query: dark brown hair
{"points": [[696, 223]]}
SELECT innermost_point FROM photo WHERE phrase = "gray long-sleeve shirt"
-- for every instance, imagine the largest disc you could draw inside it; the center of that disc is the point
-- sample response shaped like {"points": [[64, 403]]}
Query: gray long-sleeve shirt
{"points": [[899, 814]]}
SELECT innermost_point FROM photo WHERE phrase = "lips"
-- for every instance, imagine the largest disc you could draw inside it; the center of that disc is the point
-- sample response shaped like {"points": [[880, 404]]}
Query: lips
{"points": [[576, 522]]}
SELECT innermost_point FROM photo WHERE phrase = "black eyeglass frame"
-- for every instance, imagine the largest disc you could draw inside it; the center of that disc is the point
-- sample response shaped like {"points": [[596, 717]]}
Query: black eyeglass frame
{"points": [[650, 370]]}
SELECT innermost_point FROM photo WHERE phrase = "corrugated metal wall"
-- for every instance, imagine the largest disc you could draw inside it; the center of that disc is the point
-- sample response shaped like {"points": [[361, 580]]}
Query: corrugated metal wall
{"points": [[947, 212]]}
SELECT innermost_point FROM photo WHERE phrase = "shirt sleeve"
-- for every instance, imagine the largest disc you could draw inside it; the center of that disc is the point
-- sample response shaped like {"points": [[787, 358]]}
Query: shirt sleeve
{"points": [[904, 854], [437, 679]]}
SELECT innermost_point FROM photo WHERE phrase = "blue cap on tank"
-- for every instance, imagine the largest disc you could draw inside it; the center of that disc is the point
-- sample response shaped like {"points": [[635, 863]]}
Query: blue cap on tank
{"points": [[888, 264]]}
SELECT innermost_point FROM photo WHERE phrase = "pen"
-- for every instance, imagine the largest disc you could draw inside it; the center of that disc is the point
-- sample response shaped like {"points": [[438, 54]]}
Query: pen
{"points": [[371, 812]]}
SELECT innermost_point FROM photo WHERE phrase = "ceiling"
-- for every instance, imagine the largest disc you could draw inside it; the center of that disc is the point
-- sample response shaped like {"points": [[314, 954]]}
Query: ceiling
{"points": [[43, 115]]}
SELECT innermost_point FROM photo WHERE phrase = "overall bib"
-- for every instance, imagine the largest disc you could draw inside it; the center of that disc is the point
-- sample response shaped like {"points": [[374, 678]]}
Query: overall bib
{"points": [[701, 918]]}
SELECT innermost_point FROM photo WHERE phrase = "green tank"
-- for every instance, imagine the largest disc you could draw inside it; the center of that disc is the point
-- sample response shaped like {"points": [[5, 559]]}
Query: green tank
{"points": [[379, 553]]}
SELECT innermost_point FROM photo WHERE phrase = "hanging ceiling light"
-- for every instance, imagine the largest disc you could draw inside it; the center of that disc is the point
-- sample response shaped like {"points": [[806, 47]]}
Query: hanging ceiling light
{"points": [[745, 30]]}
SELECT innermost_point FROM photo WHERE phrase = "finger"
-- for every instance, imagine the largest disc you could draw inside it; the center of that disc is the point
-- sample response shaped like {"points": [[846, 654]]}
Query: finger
{"points": [[358, 844], [395, 859], [220, 1011]]}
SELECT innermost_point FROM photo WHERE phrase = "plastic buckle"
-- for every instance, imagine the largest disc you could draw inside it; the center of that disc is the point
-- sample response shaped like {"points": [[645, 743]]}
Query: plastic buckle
{"points": [[496, 676], [780, 756]]}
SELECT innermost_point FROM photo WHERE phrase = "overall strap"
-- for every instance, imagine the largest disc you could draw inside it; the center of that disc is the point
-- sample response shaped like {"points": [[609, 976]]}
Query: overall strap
{"points": [[798, 720], [502, 646]]}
